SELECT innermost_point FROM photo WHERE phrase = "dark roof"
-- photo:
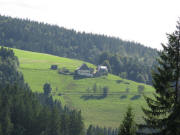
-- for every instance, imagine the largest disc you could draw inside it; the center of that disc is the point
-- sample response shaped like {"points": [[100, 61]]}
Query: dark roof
{"points": [[83, 67]]}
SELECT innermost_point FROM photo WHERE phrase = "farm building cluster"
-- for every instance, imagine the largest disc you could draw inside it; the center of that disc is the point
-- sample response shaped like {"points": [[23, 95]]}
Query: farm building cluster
{"points": [[83, 71], [86, 71]]}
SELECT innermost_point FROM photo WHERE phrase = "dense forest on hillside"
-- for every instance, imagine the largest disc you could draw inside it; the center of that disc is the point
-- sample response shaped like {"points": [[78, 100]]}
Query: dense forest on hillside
{"points": [[51, 39], [24, 113]]}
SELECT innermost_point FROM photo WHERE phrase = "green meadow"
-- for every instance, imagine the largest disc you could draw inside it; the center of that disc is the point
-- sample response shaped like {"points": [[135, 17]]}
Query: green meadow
{"points": [[107, 111]]}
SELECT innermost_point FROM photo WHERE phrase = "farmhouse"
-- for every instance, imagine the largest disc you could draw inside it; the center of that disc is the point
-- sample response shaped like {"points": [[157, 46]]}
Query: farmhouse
{"points": [[84, 70], [101, 70]]}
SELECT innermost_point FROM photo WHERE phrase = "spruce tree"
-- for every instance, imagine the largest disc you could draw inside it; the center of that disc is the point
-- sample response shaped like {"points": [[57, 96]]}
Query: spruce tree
{"points": [[90, 130], [128, 126], [164, 108], [47, 89]]}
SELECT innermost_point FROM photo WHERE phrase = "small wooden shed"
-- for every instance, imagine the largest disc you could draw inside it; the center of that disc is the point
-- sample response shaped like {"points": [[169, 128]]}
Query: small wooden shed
{"points": [[54, 67]]}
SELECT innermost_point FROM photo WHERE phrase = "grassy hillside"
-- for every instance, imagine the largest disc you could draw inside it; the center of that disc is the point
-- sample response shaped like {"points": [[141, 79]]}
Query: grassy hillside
{"points": [[104, 112]]}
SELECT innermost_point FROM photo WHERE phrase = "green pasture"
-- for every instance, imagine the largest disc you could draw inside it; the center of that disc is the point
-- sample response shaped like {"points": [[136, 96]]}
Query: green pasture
{"points": [[103, 112]]}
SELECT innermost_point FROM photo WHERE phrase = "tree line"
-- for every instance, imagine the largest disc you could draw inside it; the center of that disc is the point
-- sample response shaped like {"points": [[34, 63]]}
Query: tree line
{"points": [[96, 130], [131, 68]]}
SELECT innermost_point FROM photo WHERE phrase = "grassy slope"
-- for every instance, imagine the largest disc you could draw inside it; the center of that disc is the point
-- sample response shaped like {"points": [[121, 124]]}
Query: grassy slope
{"points": [[105, 112]]}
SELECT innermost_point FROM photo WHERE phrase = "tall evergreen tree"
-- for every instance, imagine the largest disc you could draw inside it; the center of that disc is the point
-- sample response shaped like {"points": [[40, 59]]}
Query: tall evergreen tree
{"points": [[47, 89], [164, 109], [128, 126]]}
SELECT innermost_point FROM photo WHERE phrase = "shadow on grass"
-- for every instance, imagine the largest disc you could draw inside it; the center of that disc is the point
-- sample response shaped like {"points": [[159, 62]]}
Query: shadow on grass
{"points": [[119, 81], [123, 97], [77, 77], [126, 83], [135, 97], [91, 97]]}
